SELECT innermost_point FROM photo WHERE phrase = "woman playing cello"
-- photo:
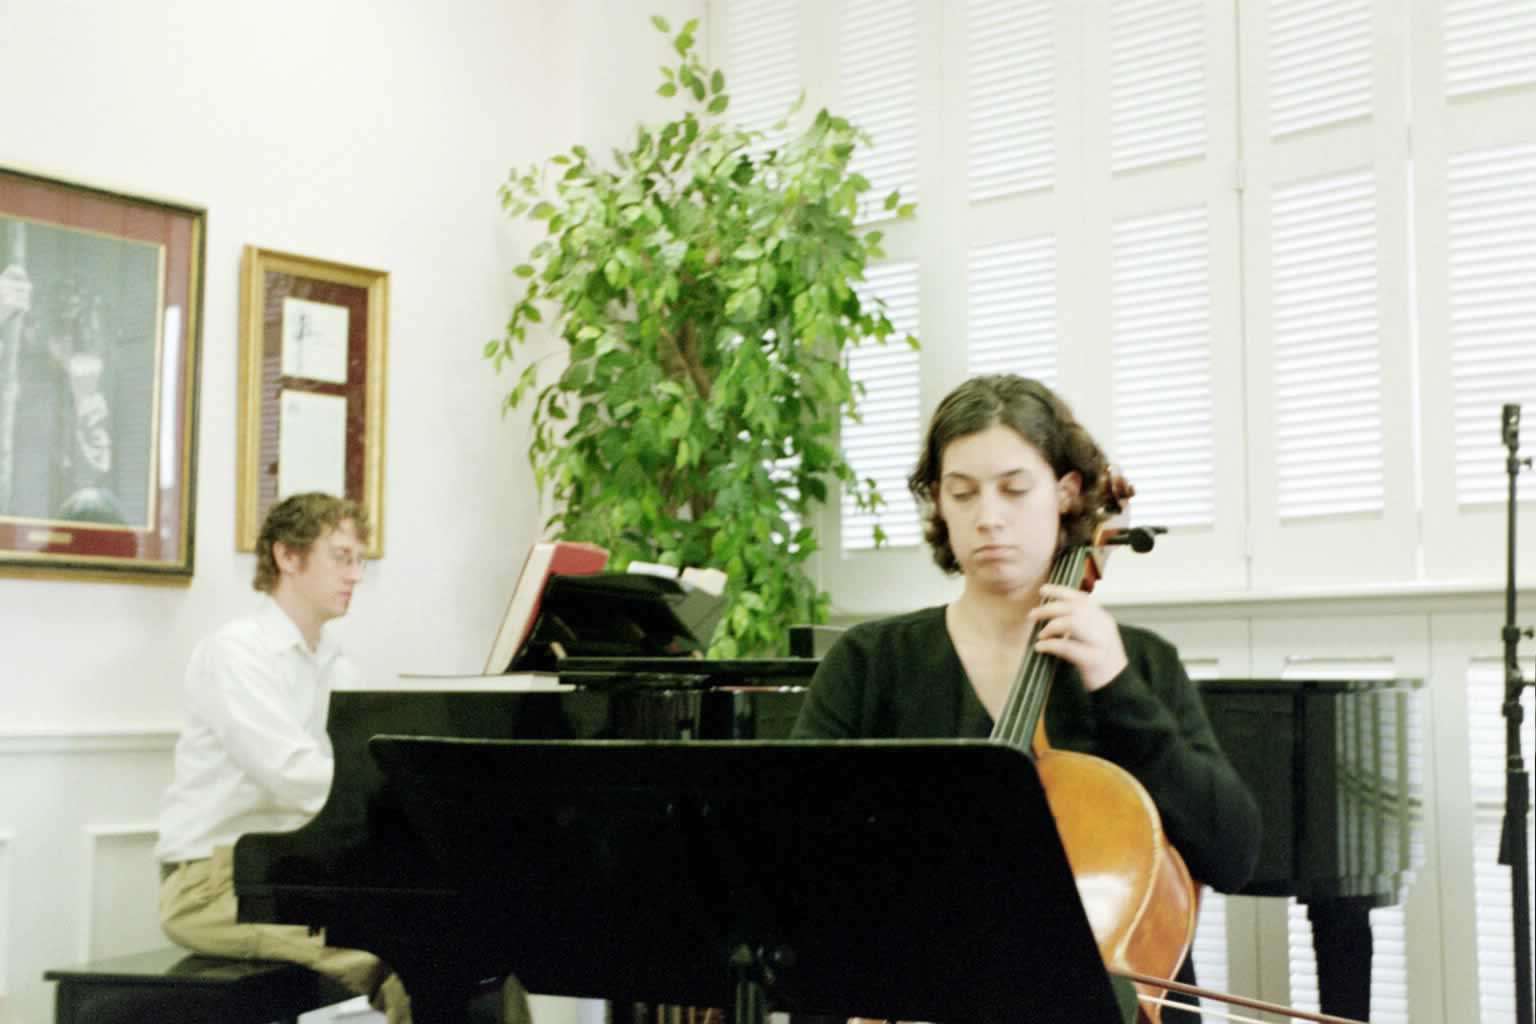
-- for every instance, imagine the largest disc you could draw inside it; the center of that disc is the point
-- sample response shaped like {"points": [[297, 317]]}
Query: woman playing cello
{"points": [[1007, 479]]}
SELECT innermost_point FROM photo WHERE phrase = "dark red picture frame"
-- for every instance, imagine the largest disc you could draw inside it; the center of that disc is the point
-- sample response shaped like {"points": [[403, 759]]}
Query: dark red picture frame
{"points": [[100, 331]]}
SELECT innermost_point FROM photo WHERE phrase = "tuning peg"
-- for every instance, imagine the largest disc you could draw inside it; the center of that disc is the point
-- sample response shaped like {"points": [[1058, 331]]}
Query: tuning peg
{"points": [[1140, 539]]}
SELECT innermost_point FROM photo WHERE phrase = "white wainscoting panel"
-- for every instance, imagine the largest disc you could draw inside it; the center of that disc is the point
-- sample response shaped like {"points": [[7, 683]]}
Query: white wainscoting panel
{"points": [[77, 880], [119, 907]]}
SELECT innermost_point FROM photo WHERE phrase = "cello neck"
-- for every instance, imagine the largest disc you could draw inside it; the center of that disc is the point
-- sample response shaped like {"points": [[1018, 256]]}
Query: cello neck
{"points": [[1018, 724]]}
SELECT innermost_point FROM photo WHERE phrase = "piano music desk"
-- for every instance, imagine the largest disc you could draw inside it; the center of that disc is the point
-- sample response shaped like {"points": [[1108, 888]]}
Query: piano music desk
{"points": [[173, 986]]}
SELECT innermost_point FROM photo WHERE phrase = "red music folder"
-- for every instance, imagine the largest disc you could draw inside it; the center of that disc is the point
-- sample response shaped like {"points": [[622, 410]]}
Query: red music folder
{"points": [[545, 559]]}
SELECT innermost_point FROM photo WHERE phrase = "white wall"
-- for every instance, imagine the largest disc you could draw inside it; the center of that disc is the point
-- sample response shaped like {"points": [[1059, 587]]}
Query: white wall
{"points": [[372, 132]]}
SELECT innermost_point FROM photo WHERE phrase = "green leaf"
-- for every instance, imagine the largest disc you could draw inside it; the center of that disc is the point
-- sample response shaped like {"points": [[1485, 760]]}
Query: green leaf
{"points": [[667, 89], [718, 104], [892, 200], [716, 81], [543, 211], [523, 270], [662, 25], [615, 273]]}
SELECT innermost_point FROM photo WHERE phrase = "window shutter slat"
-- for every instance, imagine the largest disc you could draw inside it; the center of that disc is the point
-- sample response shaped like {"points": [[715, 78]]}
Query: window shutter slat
{"points": [[878, 58], [1160, 297], [1012, 308], [1489, 44], [883, 444], [1157, 79], [1326, 347], [1010, 110], [1492, 213], [1320, 63], [762, 64]]}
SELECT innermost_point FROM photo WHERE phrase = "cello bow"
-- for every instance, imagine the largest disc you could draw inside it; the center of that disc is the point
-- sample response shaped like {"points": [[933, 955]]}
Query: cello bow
{"points": [[1222, 997]]}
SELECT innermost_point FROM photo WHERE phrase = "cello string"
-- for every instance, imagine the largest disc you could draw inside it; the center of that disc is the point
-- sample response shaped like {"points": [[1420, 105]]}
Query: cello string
{"points": [[1027, 699]]}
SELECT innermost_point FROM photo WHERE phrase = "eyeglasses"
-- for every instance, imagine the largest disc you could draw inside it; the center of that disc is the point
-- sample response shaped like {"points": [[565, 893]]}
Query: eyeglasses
{"points": [[346, 559]]}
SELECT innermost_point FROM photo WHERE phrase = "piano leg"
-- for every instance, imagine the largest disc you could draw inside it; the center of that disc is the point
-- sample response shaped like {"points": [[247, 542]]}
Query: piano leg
{"points": [[1341, 940]]}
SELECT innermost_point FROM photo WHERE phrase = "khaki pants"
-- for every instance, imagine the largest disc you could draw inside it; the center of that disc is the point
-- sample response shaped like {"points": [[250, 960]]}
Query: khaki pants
{"points": [[197, 911]]}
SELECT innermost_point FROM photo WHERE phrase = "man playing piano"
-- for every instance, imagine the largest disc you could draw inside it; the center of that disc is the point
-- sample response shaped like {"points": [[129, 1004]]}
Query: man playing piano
{"points": [[254, 755]]}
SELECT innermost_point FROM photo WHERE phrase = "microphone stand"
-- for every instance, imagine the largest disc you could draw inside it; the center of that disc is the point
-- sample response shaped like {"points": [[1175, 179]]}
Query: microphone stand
{"points": [[1513, 849]]}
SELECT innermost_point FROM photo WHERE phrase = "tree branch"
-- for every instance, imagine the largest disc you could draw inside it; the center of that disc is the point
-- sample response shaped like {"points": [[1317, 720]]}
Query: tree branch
{"points": [[683, 358], [688, 348]]}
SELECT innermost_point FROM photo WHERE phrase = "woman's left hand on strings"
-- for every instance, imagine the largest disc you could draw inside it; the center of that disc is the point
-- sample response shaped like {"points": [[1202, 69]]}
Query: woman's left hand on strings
{"points": [[1077, 629]]}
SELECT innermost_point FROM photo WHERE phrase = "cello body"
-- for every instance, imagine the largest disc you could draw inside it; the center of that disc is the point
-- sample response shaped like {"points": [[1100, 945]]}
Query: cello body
{"points": [[1138, 896]]}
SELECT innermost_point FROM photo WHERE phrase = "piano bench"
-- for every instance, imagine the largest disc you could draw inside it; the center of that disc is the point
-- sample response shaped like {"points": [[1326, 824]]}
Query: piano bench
{"points": [[173, 986]]}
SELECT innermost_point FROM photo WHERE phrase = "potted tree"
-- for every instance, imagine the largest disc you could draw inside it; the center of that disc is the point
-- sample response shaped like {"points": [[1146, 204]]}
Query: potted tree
{"points": [[704, 287]]}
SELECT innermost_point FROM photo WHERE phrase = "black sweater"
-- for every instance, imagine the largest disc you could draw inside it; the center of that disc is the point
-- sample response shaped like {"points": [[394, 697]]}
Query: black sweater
{"points": [[902, 678]]}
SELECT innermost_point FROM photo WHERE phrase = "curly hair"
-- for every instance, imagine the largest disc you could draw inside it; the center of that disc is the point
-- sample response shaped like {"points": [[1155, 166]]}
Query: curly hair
{"points": [[1039, 416], [297, 522]]}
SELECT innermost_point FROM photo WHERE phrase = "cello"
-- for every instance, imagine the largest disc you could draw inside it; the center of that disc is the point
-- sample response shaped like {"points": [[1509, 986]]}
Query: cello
{"points": [[1137, 893]]}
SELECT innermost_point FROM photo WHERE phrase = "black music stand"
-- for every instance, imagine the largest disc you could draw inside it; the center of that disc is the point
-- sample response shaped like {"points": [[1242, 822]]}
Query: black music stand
{"points": [[898, 879]]}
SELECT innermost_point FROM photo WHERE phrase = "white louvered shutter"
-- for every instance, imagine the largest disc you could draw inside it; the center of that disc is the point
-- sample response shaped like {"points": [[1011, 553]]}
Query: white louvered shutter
{"points": [[877, 57], [1492, 225], [1160, 294], [1329, 294], [1489, 44], [762, 62], [1151, 324], [1011, 309], [1495, 915], [883, 444], [1011, 103], [1327, 386], [1475, 210], [1320, 63], [1156, 81]]}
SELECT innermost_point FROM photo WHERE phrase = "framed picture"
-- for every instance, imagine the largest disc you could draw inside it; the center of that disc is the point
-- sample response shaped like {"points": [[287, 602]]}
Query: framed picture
{"points": [[100, 319], [312, 339]]}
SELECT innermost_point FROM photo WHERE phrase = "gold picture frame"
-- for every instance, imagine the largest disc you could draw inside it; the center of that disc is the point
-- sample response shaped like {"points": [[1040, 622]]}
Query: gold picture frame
{"points": [[100, 328], [313, 335]]}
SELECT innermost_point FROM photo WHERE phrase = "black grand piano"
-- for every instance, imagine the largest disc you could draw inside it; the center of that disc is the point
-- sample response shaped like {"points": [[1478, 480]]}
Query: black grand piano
{"points": [[1330, 764]]}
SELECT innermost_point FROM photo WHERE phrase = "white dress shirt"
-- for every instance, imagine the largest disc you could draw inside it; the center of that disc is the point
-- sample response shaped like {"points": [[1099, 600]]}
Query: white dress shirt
{"points": [[253, 755]]}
